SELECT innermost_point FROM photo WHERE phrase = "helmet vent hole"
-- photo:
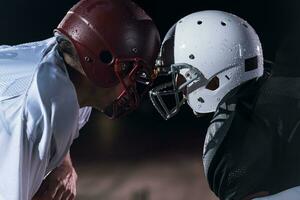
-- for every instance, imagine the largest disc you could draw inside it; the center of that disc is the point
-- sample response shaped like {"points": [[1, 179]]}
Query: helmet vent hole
{"points": [[213, 84], [223, 23], [192, 57], [199, 22], [201, 100], [106, 57], [245, 25]]}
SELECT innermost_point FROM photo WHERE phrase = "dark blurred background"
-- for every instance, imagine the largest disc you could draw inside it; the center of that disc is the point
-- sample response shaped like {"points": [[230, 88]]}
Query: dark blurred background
{"points": [[141, 156]]}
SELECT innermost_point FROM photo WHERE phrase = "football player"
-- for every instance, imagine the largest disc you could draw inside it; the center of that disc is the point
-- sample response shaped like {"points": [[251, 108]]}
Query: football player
{"points": [[215, 63], [102, 56]]}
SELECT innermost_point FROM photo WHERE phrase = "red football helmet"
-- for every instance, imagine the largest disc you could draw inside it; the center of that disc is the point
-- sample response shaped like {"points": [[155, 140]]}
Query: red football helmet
{"points": [[117, 42]]}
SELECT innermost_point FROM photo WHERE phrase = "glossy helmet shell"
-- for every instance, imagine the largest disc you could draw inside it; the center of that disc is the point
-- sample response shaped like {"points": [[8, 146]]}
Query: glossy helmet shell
{"points": [[103, 31]]}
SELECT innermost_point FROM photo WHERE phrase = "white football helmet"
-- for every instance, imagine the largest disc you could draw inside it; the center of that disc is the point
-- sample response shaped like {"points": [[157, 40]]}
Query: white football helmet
{"points": [[215, 52]]}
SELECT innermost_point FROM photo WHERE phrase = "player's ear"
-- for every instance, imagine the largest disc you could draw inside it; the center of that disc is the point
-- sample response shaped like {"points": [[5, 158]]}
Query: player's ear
{"points": [[66, 46], [67, 50]]}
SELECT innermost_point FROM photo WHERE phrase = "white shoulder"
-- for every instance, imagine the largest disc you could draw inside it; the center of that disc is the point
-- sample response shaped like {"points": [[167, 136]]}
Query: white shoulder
{"points": [[18, 64], [53, 83], [52, 96], [84, 115], [4, 46]]}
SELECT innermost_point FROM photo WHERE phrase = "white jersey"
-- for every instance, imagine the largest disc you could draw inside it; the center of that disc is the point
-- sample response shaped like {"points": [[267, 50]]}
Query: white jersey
{"points": [[39, 116], [289, 194]]}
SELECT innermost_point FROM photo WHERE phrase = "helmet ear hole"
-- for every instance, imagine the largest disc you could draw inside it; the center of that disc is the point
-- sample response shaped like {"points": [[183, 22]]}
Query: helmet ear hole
{"points": [[213, 84], [223, 23], [106, 57]]}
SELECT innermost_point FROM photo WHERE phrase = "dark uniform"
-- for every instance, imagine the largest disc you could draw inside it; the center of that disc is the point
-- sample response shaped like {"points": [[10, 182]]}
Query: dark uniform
{"points": [[252, 145]]}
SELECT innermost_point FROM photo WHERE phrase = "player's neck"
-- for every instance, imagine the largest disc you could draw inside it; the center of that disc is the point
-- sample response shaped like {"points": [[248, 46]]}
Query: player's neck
{"points": [[76, 75]]}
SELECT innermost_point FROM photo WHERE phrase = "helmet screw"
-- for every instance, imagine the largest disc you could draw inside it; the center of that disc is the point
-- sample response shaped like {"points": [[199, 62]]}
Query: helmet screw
{"points": [[87, 59], [134, 50]]}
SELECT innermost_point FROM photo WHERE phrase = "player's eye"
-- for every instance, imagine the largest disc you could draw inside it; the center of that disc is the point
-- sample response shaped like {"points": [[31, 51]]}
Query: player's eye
{"points": [[143, 77], [143, 81]]}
